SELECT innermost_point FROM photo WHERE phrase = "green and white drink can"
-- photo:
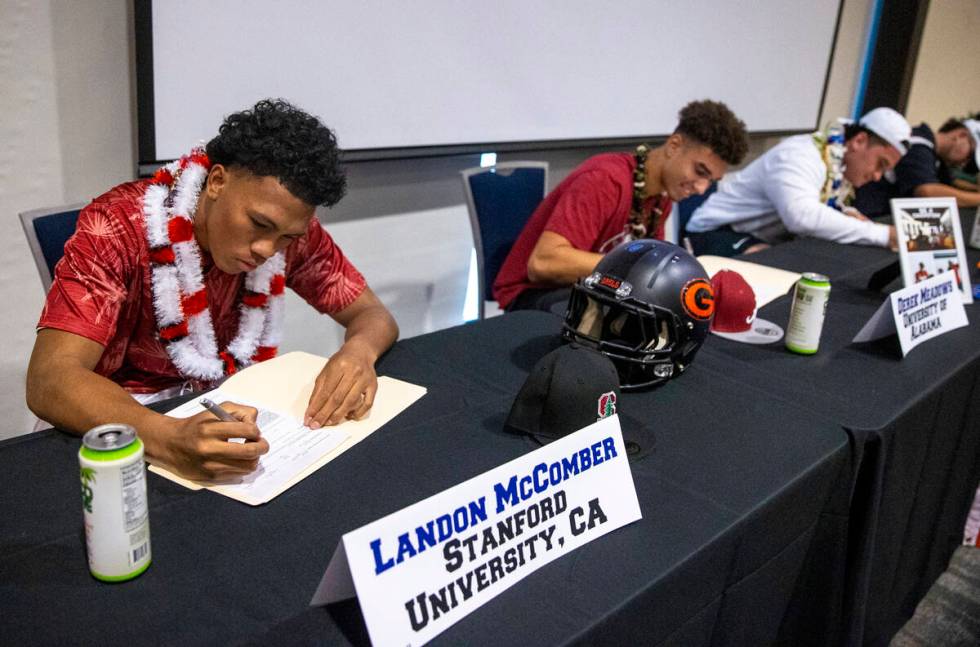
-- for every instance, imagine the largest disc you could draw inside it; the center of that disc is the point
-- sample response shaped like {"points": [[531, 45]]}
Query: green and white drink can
{"points": [[807, 313], [117, 522]]}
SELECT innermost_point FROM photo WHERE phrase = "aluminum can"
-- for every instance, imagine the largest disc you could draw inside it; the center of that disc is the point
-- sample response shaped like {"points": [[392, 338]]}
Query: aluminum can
{"points": [[117, 522], [807, 313]]}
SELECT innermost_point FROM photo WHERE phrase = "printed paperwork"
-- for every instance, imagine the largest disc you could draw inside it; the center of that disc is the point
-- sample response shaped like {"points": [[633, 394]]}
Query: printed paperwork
{"points": [[280, 389]]}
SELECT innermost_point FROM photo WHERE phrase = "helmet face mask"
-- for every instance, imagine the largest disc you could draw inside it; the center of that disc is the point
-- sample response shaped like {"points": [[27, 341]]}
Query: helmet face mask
{"points": [[647, 307], [621, 326]]}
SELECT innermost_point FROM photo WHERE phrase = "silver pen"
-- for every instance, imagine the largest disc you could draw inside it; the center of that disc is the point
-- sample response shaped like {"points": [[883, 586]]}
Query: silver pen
{"points": [[220, 413]]}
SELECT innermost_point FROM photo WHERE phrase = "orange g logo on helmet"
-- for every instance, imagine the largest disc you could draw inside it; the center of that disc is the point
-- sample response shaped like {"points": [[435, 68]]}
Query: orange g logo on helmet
{"points": [[698, 299]]}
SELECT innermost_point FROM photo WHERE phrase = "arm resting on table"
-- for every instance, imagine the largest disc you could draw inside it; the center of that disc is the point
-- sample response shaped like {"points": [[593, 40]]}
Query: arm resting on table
{"points": [[936, 190], [346, 386], [64, 389]]}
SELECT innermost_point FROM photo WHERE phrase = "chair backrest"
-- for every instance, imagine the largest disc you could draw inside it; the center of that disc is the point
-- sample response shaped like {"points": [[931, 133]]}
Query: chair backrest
{"points": [[687, 207], [500, 198], [47, 231]]}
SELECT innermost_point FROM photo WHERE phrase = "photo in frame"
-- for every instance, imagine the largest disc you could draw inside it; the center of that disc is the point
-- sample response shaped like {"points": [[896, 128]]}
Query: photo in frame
{"points": [[930, 241]]}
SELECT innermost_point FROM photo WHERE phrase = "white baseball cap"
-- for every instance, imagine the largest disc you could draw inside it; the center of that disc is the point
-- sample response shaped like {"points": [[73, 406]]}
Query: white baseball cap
{"points": [[890, 126], [973, 126]]}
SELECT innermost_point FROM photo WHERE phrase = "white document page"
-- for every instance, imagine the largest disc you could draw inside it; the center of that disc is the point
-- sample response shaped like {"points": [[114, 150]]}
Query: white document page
{"points": [[280, 389], [293, 448]]}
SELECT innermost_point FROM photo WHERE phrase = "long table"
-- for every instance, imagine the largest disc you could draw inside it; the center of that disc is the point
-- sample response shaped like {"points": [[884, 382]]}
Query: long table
{"points": [[914, 429], [731, 497], [788, 499]]}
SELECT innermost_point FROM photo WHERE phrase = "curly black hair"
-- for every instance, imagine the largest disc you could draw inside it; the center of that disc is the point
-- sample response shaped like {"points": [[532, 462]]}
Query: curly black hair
{"points": [[277, 139], [713, 124]]}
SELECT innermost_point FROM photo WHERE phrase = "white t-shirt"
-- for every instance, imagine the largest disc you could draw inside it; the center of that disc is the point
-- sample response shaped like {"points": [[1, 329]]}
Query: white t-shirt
{"points": [[780, 192]]}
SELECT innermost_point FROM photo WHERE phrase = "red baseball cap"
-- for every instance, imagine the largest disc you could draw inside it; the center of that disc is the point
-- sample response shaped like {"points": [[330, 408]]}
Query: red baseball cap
{"points": [[735, 311]]}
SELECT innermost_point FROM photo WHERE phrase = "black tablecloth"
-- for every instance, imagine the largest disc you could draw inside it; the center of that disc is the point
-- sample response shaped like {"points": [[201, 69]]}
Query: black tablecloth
{"points": [[788, 499], [731, 496], [892, 527]]}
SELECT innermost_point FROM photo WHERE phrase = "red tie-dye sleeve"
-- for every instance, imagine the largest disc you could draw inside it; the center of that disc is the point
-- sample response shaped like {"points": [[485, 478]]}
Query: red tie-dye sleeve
{"points": [[318, 271], [90, 281]]}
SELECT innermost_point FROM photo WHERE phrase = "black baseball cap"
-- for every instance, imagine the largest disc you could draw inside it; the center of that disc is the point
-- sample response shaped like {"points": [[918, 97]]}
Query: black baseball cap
{"points": [[570, 388]]}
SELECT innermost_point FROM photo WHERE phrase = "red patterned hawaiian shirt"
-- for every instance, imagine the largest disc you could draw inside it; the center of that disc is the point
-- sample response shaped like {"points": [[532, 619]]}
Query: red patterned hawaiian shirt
{"points": [[102, 290]]}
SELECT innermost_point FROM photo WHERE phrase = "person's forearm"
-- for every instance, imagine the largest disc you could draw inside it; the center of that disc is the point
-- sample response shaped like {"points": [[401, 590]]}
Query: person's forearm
{"points": [[373, 332], [809, 217], [76, 399], [935, 190], [561, 265]]}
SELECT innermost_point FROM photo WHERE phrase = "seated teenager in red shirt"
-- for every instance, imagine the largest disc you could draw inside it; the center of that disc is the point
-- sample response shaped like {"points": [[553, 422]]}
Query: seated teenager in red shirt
{"points": [[176, 282], [612, 198]]}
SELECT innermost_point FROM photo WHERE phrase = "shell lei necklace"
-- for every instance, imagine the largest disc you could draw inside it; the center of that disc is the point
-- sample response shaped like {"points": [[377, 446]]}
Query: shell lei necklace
{"points": [[180, 299], [639, 226], [836, 192]]}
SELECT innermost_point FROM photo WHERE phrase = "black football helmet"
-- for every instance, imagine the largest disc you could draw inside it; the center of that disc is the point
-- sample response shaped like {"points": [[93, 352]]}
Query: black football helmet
{"points": [[647, 306]]}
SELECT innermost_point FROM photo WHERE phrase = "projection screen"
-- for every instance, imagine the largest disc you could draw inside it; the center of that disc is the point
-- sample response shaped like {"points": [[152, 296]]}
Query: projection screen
{"points": [[396, 78]]}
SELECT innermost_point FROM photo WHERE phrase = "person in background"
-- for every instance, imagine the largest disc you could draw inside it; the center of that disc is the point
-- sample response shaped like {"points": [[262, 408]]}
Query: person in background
{"points": [[802, 187], [967, 177], [612, 198], [928, 170], [172, 284]]}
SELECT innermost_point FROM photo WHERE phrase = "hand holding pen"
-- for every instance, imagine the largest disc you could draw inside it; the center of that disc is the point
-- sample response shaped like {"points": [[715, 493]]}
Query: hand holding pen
{"points": [[199, 446], [224, 416], [220, 413]]}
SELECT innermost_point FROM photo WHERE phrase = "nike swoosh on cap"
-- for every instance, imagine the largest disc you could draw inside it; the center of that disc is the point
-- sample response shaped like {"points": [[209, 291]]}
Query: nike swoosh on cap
{"points": [[741, 242]]}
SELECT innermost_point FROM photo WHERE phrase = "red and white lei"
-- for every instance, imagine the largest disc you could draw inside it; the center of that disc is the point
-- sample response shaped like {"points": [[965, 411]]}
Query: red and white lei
{"points": [[180, 299]]}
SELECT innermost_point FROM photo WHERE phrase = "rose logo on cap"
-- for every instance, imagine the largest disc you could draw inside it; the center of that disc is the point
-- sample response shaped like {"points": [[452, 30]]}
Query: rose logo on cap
{"points": [[607, 405], [570, 388], [735, 311]]}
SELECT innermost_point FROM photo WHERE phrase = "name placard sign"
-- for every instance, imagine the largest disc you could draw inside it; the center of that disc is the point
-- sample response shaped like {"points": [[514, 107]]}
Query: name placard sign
{"points": [[918, 313], [418, 571]]}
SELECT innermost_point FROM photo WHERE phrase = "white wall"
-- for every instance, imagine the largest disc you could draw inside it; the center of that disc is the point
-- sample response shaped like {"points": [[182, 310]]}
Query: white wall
{"points": [[417, 264], [947, 73], [845, 69], [65, 135], [66, 114]]}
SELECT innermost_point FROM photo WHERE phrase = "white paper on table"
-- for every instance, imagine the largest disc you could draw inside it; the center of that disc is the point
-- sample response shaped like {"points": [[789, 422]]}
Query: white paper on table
{"points": [[768, 283], [280, 389], [293, 449]]}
